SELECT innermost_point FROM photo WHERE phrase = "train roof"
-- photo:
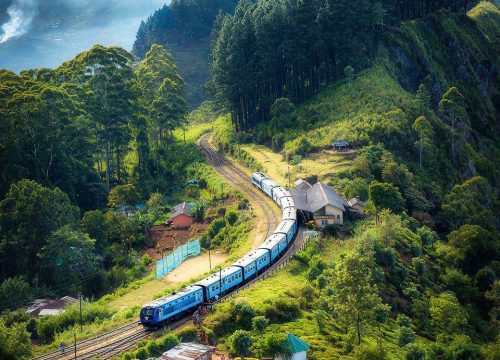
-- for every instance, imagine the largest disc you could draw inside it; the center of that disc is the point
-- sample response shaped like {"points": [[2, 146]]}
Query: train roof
{"points": [[173, 296], [215, 276], [289, 213], [283, 192], [287, 201], [270, 182], [250, 257], [284, 225], [259, 175], [272, 241]]}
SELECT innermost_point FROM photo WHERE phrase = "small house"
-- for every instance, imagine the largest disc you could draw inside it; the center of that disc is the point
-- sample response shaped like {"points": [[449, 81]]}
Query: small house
{"points": [[320, 203], [182, 217], [297, 346], [357, 207], [188, 351], [42, 307], [302, 184], [340, 145]]}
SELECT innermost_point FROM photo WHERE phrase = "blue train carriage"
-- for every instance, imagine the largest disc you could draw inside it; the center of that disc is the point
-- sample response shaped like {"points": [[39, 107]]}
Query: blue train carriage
{"points": [[253, 263], [257, 179], [278, 193], [287, 227], [289, 213], [268, 186], [287, 202], [161, 310], [275, 243], [229, 278]]}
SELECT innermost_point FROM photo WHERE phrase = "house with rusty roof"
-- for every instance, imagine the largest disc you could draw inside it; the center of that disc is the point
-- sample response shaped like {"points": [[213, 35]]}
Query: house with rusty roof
{"points": [[42, 307], [320, 203]]}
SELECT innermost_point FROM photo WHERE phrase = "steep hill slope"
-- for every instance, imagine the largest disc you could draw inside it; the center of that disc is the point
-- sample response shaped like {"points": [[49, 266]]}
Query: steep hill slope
{"points": [[184, 28]]}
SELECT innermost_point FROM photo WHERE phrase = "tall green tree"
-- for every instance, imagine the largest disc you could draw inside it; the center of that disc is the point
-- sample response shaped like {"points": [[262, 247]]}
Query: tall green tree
{"points": [[29, 214], [424, 131], [385, 196]]}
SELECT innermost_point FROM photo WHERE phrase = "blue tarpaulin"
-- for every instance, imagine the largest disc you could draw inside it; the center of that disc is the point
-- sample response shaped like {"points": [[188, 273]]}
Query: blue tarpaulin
{"points": [[170, 262]]}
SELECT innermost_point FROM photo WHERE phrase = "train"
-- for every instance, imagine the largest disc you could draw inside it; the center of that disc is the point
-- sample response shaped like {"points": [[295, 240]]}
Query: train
{"points": [[187, 300]]}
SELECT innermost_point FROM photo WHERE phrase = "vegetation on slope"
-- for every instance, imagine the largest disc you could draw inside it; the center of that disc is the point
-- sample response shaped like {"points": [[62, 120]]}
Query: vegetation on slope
{"points": [[184, 27]]}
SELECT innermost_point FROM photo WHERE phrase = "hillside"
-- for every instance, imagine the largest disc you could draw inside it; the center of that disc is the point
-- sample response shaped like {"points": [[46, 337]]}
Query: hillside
{"points": [[430, 249], [184, 28]]}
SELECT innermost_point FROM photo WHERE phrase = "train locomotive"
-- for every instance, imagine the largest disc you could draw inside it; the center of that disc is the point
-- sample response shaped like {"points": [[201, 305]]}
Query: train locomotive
{"points": [[187, 300]]}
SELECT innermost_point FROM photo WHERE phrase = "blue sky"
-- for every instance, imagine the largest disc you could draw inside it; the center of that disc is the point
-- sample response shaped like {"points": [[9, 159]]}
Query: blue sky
{"points": [[45, 33]]}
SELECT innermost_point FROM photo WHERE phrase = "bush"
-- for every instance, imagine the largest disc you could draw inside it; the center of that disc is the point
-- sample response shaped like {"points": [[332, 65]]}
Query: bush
{"points": [[282, 310], [403, 320], [369, 352], [242, 315], [419, 266], [168, 342], [141, 354], [188, 334], [406, 336], [259, 323], [414, 352], [231, 217], [241, 342]]}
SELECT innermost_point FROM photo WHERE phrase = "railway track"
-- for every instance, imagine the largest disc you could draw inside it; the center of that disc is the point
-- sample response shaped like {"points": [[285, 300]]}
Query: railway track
{"points": [[110, 344], [236, 176]]}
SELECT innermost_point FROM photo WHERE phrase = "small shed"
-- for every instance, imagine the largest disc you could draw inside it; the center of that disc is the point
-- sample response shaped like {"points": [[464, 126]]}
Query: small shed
{"points": [[182, 217], [357, 207], [340, 145], [189, 351], [42, 307], [302, 184], [298, 346]]}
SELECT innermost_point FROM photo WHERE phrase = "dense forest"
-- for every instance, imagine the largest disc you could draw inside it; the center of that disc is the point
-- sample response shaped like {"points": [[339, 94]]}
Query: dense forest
{"points": [[83, 144], [184, 28], [272, 49]]}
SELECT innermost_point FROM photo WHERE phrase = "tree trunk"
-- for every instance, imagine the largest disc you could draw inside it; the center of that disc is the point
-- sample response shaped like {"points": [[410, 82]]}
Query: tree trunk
{"points": [[107, 164], [358, 330]]}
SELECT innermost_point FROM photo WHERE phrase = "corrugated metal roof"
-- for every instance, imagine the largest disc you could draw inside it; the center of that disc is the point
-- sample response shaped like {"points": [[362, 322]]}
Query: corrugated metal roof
{"points": [[356, 200], [184, 208], [187, 351], [317, 197]]}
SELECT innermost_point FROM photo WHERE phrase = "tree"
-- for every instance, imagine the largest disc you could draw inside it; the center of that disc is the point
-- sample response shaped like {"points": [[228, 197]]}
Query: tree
{"points": [[406, 336], [94, 224], [471, 247], [29, 214], [67, 257], [423, 101], [469, 203], [273, 345], [353, 296], [241, 342], [123, 195], [414, 352], [259, 323], [447, 314], [122, 230], [385, 196], [452, 109], [424, 130], [199, 211], [349, 74], [156, 204], [14, 342], [14, 292]]}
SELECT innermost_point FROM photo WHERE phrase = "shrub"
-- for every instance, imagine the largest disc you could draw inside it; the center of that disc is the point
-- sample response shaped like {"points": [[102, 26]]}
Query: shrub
{"points": [[414, 352], [188, 334], [242, 315], [153, 348], [406, 336], [282, 310], [419, 266], [231, 217], [168, 342], [241, 342], [259, 323], [141, 354], [403, 320], [369, 352]]}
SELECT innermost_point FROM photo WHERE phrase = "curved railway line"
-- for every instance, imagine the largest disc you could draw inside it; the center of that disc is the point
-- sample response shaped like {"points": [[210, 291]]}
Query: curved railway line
{"points": [[110, 344]]}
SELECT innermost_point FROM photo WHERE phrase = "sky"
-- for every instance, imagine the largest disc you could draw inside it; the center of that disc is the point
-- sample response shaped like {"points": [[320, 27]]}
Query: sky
{"points": [[45, 33]]}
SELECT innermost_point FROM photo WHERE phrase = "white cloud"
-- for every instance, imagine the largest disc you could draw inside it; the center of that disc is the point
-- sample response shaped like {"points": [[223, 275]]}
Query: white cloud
{"points": [[21, 14]]}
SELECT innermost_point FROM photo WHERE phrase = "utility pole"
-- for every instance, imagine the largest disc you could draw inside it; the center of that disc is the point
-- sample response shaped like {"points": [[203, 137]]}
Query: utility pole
{"points": [[74, 336], [81, 322], [209, 257]]}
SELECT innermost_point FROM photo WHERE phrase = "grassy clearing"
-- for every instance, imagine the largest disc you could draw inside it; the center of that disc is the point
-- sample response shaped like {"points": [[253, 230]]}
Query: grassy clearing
{"points": [[323, 164]]}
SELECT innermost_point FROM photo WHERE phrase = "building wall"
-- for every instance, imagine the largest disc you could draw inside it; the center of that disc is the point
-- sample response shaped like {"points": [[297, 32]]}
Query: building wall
{"points": [[359, 208], [182, 221], [330, 215]]}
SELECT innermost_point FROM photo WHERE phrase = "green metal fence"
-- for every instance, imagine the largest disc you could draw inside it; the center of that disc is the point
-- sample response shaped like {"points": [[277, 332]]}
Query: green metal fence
{"points": [[170, 262]]}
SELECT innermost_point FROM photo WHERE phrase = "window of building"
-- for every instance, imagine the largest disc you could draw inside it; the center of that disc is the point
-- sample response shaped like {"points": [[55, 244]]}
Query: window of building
{"points": [[338, 217]]}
